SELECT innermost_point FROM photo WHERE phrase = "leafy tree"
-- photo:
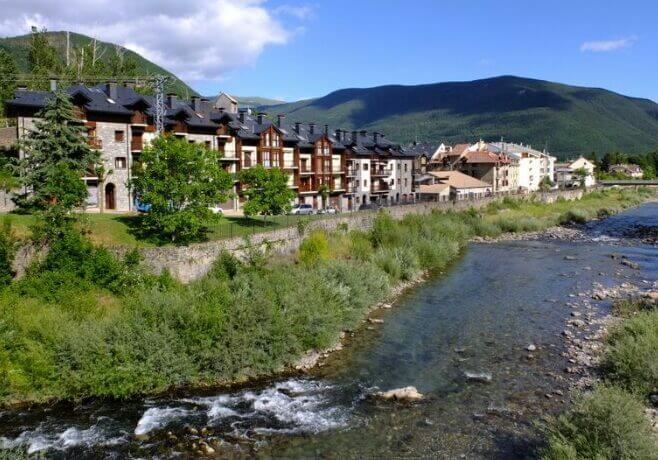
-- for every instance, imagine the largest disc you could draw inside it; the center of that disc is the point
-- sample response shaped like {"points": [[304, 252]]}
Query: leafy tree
{"points": [[56, 156], [324, 193], [266, 190], [179, 181], [582, 174], [7, 83]]}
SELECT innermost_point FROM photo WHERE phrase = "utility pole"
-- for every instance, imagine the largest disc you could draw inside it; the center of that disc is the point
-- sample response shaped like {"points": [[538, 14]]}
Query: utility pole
{"points": [[159, 82]]}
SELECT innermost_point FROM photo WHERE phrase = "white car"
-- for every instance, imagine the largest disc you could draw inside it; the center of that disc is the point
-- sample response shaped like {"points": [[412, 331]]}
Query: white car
{"points": [[216, 210], [302, 209]]}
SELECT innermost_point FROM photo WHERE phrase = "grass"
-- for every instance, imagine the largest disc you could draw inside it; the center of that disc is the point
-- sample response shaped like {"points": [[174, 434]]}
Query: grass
{"points": [[83, 324], [119, 229]]}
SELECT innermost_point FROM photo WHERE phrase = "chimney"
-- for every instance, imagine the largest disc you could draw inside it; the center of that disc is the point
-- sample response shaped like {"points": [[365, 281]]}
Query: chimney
{"points": [[375, 136], [326, 130], [363, 133], [311, 128], [338, 135], [53, 85], [196, 104], [261, 117], [171, 99], [111, 90], [279, 120], [355, 136], [298, 127], [241, 115]]}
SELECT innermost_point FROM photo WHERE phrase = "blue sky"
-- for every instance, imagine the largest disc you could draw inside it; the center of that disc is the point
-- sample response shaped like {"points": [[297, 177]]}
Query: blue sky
{"points": [[340, 43], [294, 49]]}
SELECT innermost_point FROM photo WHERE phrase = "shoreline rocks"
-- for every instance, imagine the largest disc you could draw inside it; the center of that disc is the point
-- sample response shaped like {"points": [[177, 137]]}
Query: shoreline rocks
{"points": [[406, 394]]}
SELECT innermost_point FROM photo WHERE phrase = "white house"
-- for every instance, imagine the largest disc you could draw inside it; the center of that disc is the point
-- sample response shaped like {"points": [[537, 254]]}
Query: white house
{"points": [[567, 174], [534, 165]]}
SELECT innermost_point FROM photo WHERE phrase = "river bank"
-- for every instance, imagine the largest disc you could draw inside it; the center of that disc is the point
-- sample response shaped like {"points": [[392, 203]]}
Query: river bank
{"points": [[259, 308], [479, 317]]}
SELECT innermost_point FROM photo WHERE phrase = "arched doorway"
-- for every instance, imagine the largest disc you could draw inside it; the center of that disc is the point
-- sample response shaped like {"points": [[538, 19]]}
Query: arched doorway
{"points": [[110, 199]]}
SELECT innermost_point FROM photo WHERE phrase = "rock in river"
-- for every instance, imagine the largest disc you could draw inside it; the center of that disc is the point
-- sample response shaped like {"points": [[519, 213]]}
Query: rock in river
{"points": [[484, 377], [401, 394]]}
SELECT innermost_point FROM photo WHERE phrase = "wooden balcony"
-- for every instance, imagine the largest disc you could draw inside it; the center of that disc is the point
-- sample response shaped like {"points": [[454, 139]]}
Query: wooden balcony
{"points": [[139, 118], [305, 170], [289, 165], [136, 144], [95, 143], [306, 188]]}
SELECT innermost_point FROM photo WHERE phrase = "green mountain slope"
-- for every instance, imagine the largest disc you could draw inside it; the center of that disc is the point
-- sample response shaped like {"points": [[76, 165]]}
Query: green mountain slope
{"points": [[18, 47], [569, 119]]}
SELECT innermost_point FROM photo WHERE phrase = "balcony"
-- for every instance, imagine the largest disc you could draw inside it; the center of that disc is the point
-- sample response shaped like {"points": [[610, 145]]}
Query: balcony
{"points": [[306, 188], [351, 172], [139, 118], [289, 165], [380, 172], [136, 144], [380, 188], [337, 170], [95, 143], [305, 170]]}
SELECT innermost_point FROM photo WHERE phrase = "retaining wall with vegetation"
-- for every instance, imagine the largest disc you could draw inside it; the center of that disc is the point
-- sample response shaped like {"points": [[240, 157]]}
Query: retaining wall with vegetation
{"points": [[189, 263]]}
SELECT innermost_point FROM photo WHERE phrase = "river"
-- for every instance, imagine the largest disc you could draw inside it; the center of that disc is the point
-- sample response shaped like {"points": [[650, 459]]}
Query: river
{"points": [[478, 317]]}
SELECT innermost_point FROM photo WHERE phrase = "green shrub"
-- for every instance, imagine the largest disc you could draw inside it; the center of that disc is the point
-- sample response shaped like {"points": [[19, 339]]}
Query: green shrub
{"points": [[574, 216], [630, 357], [360, 246], [314, 248], [385, 231], [8, 247], [630, 307], [607, 424]]}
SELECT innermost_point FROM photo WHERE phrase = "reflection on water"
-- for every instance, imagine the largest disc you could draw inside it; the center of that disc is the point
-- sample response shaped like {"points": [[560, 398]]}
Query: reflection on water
{"points": [[478, 318]]}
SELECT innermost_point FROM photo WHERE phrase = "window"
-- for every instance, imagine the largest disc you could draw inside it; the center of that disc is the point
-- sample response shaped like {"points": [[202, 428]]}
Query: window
{"points": [[119, 136], [405, 167], [120, 162], [266, 159], [365, 166], [399, 165], [365, 182], [406, 182]]}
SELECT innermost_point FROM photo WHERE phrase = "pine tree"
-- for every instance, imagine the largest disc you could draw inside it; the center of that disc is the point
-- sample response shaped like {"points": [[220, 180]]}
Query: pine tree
{"points": [[8, 70], [56, 156]]}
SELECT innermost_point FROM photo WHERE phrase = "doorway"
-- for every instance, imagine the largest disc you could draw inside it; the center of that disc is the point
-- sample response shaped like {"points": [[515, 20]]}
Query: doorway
{"points": [[110, 199]]}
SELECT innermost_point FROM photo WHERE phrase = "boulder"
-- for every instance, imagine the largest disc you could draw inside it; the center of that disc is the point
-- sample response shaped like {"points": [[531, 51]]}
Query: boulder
{"points": [[531, 347], [400, 394], [482, 377], [375, 321]]}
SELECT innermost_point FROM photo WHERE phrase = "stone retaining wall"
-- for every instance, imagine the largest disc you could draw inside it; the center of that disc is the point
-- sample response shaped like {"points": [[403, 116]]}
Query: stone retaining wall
{"points": [[189, 263]]}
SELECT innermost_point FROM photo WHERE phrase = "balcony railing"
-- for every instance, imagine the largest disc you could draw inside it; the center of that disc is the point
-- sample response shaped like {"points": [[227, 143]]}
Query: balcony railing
{"points": [[289, 164], [305, 187], [379, 188], [351, 172], [136, 144], [336, 170], [95, 142], [380, 172], [305, 170]]}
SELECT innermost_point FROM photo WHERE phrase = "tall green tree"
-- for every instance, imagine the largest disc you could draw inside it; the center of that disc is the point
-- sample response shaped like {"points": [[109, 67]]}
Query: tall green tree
{"points": [[179, 181], [8, 70], [266, 190], [56, 156], [43, 59]]}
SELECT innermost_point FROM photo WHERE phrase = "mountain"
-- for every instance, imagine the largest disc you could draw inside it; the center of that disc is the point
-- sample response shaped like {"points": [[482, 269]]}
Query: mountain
{"points": [[19, 47], [257, 101], [569, 120]]}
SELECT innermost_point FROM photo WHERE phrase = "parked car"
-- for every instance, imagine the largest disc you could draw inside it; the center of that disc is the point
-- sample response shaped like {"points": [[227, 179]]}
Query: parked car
{"points": [[370, 206], [216, 209], [302, 209], [329, 210]]}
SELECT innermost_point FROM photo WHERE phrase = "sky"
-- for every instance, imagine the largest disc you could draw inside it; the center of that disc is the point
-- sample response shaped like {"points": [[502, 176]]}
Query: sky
{"points": [[298, 49]]}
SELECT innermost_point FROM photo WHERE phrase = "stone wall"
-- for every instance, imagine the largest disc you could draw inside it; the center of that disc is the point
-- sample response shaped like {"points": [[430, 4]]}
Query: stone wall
{"points": [[192, 262]]}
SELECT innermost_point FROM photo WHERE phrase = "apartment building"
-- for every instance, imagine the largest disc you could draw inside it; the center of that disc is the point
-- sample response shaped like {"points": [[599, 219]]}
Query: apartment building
{"points": [[534, 166], [326, 167]]}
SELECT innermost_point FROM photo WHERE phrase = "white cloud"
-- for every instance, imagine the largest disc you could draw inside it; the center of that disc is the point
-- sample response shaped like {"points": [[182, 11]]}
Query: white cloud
{"points": [[195, 39], [608, 45], [301, 12]]}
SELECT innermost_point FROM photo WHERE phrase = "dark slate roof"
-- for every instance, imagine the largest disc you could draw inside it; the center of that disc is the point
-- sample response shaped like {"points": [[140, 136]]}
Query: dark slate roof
{"points": [[420, 148]]}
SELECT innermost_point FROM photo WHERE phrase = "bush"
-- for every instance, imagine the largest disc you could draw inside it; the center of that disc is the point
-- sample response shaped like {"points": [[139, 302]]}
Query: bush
{"points": [[314, 248], [630, 358], [607, 424], [575, 216], [385, 231], [8, 246], [629, 307]]}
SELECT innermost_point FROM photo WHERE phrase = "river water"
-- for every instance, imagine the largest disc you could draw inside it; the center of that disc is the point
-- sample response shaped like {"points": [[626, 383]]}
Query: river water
{"points": [[477, 318]]}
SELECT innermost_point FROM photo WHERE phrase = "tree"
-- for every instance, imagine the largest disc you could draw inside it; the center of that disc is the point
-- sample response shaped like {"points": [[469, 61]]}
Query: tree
{"points": [[582, 174], [324, 190], [43, 59], [266, 190], [56, 156], [179, 181], [8, 70], [546, 184]]}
